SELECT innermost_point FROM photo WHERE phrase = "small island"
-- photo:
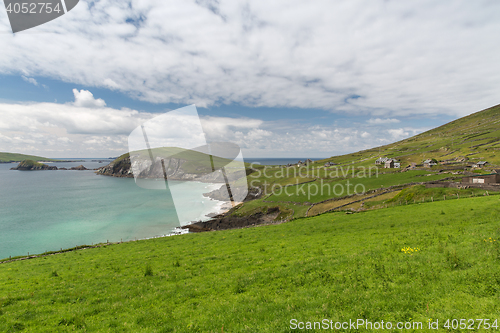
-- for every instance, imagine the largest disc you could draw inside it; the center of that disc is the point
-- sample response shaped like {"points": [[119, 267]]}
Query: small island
{"points": [[30, 165]]}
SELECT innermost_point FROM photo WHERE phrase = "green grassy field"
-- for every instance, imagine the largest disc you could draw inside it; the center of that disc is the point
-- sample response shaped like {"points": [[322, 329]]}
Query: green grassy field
{"points": [[410, 263]]}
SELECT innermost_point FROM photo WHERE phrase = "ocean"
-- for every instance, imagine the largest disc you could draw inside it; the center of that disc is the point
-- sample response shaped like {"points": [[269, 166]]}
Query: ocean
{"points": [[49, 210]]}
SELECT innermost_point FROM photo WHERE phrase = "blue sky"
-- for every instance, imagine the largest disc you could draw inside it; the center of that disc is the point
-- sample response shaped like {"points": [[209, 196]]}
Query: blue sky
{"points": [[308, 79]]}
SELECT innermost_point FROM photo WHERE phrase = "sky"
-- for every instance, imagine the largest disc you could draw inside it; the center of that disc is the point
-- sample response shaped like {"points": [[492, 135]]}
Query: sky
{"points": [[281, 78]]}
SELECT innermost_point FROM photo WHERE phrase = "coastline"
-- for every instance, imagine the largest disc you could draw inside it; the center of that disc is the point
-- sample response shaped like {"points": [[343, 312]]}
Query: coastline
{"points": [[200, 207]]}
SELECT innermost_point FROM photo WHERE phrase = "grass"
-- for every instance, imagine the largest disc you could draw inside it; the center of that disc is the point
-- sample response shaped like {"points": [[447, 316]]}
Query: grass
{"points": [[333, 266], [325, 206], [321, 190], [288, 210]]}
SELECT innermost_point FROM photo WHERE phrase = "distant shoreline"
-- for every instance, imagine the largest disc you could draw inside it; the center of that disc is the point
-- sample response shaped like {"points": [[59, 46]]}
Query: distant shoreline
{"points": [[62, 161]]}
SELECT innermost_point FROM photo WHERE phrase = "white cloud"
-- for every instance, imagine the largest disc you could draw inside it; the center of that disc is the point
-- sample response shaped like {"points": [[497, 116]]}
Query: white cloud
{"points": [[85, 98], [341, 56], [63, 130], [220, 128], [405, 132], [85, 127], [380, 121], [398, 133], [30, 80]]}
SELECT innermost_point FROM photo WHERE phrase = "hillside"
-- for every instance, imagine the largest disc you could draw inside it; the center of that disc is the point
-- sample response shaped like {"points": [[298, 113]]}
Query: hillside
{"points": [[475, 137], [11, 157], [415, 263]]}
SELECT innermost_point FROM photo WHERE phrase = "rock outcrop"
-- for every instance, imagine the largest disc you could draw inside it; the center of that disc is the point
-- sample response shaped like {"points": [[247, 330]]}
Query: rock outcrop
{"points": [[80, 168], [120, 167], [227, 221]]}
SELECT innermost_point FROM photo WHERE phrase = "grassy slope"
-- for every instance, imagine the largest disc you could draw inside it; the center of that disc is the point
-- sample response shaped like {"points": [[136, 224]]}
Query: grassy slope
{"points": [[475, 137], [10, 157], [333, 266]]}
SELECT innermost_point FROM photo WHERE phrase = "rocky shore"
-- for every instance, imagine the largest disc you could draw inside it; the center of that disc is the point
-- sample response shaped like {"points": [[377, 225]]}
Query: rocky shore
{"points": [[229, 221]]}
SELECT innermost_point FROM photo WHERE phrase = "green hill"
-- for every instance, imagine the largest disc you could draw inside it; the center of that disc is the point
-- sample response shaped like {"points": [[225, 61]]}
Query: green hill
{"points": [[11, 157], [475, 137], [309, 190]]}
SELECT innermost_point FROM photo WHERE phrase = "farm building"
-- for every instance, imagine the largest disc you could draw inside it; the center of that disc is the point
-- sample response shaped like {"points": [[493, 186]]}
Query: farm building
{"points": [[480, 164], [381, 160], [389, 164], [392, 163], [327, 164], [493, 178], [429, 163]]}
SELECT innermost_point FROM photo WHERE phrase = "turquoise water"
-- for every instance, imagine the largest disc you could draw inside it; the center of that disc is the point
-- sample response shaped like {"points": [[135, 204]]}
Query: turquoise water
{"points": [[48, 210]]}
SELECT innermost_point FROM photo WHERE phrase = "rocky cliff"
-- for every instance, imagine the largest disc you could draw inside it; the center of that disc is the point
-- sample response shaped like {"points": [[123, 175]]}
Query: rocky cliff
{"points": [[122, 167]]}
